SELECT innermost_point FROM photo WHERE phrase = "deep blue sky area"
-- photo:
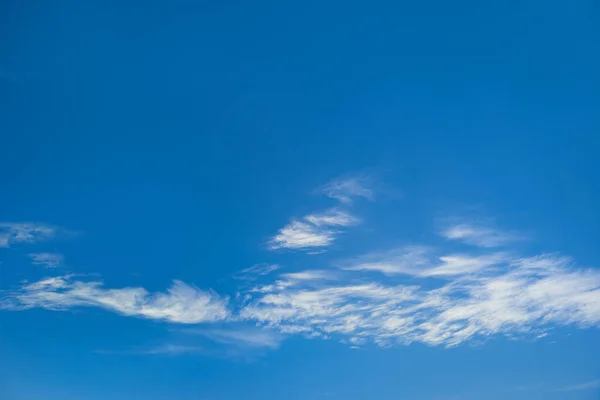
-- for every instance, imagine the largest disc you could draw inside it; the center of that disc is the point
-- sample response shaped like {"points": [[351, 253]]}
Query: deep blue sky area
{"points": [[299, 200]]}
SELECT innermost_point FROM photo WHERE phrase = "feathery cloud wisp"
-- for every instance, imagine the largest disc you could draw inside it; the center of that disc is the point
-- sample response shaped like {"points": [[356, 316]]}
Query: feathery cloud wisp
{"points": [[256, 271], [181, 303], [499, 296], [507, 296]]}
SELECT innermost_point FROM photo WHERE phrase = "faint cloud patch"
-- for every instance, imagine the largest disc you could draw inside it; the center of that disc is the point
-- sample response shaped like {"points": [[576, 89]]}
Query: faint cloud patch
{"points": [[47, 260], [347, 189], [241, 337], [479, 234], [25, 232], [595, 384]]}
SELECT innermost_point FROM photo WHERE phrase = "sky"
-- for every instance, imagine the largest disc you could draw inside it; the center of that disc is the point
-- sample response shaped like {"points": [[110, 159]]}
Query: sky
{"points": [[299, 200]]}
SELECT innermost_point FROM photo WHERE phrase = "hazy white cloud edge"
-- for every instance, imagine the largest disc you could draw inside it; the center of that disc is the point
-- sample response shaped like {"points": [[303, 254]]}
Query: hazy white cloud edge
{"points": [[47, 260]]}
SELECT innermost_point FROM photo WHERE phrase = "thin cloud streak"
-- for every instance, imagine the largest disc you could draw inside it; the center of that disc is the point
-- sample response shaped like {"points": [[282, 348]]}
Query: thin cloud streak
{"points": [[595, 384], [241, 337], [419, 261], [479, 235]]}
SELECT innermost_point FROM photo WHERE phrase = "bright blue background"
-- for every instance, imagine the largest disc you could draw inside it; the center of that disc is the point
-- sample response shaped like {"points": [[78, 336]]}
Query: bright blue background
{"points": [[178, 136]]}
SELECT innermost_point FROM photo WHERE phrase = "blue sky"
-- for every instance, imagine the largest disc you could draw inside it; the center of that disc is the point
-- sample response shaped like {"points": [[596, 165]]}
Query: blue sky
{"points": [[322, 200]]}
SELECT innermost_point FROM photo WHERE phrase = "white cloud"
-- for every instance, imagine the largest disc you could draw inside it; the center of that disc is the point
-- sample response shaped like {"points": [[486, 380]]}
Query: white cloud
{"points": [[501, 296], [25, 232], [346, 189], [299, 235], [181, 303], [314, 230], [478, 235], [419, 294], [48, 260]]}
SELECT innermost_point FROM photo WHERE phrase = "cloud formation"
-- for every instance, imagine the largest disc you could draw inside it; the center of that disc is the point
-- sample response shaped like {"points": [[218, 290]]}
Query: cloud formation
{"points": [[346, 189], [460, 300], [181, 303], [485, 296], [418, 293], [47, 260], [24, 232], [312, 231]]}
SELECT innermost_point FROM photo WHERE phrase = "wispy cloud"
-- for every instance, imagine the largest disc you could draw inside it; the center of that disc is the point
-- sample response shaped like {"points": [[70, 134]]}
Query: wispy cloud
{"points": [[173, 350], [595, 384], [182, 303], [408, 260], [411, 294], [479, 235], [242, 337], [167, 349], [24, 232], [312, 231], [48, 260], [420, 261], [499, 296], [256, 271], [348, 188]]}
